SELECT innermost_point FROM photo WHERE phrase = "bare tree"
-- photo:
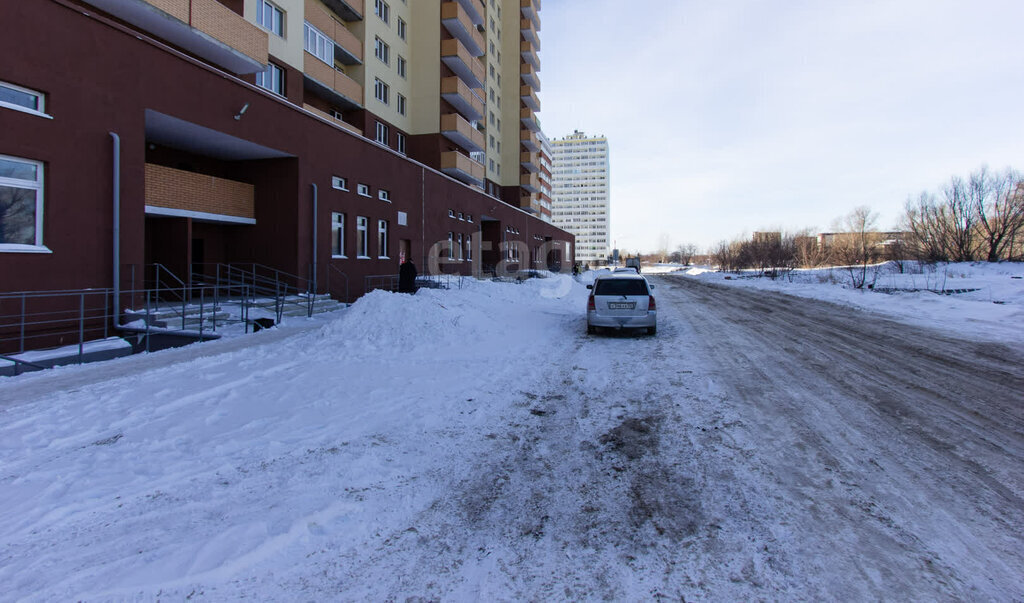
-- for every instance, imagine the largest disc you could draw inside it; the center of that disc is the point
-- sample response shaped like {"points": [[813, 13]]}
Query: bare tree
{"points": [[998, 200], [684, 253], [857, 247]]}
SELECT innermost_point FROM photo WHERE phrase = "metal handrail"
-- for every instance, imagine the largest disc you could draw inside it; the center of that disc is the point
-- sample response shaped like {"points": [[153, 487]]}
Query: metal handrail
{"points": [[331, 269]]}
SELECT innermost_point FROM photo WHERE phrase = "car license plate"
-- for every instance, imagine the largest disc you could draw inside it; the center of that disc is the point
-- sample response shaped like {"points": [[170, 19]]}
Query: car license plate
{"points": [[621, 305]]}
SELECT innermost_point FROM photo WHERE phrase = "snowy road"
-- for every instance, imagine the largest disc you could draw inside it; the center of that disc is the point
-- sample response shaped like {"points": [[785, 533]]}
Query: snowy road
{"points": [[478, 445]]}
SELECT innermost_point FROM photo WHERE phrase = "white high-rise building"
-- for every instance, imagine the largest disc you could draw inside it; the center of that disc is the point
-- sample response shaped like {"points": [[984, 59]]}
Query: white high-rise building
{"points": [[580, 200]]}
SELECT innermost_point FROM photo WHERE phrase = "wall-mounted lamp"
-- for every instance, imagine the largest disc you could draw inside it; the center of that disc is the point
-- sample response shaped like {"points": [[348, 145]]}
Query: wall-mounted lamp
{"points": [[242, 111]]}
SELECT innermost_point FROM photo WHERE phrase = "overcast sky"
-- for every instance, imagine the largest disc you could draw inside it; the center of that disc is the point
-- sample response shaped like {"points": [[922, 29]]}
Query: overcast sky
{"points": [[728, 116]]}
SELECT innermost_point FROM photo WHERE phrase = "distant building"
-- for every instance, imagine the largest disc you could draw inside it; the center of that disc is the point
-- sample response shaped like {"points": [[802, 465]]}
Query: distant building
{"points": [[580, 202]]}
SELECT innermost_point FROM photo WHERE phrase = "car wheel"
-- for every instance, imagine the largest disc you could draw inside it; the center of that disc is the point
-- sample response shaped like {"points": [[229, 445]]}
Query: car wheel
{"points": [[652, 330]]}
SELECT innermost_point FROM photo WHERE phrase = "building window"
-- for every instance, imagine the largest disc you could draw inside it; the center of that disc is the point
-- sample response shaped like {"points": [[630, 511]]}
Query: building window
{"points": [[382, 51], [381, 91], [451, 246], [270, 17], [451, 213], [318, 45], [22, 99], [363, 190], [401, 27], [382, 239], [271, 78], [469, 217], [338, 235], [403, 218], [21, 203], [384, 195], [400, 66], [339, 183], [469, 248], [400, 140], [400, 104], [362, 245], [460, 245], [382, 133], [382, 10], [462, 217]]}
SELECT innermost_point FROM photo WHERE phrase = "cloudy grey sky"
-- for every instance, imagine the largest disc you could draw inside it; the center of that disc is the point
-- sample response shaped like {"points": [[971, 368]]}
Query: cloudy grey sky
{"points": [[730, 116]]}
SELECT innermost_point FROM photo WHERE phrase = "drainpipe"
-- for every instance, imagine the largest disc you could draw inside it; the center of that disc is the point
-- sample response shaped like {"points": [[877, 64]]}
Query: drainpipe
{"points": [[117, 229], [314, 235]]}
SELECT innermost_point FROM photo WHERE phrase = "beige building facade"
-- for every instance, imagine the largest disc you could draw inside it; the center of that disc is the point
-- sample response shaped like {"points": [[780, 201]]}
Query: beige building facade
{"points": [[450, 83]]}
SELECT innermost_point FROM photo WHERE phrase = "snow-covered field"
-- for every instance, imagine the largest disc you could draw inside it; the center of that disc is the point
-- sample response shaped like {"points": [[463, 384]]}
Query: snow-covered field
{"points": [[984, 300], [317, 460]]}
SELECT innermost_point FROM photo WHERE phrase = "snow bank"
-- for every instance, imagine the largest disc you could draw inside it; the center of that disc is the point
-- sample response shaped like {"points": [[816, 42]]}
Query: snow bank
{"points": [[983, 300]]}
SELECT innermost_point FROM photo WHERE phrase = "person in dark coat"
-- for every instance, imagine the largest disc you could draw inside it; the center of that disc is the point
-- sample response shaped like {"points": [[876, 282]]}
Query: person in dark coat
{"points": [[407, 277]]}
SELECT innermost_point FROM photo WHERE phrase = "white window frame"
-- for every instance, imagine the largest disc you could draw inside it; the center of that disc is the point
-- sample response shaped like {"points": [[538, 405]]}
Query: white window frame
{"points": [[40, 109], [381, 50], [382, 133], [382, 10], [382, 240], [469, 217], [339, 182], [362, 238], [338, 235], [461, 251], [276, 75], [384, 195], [381, 91], [451, 213], [400, 104], [469, 248], [400, 25], [275, 24], [403, 218], [318, 44], [451, 243], [363, 190], [400, 143], [400, 66], [34, 185]]}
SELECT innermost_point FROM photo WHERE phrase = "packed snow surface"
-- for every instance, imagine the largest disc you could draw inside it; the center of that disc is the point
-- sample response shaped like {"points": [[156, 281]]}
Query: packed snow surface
{"points": [[455, 444]]}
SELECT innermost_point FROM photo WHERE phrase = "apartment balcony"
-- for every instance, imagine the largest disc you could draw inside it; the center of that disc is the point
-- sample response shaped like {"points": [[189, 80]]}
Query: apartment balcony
{"points": [[530, 162], [333, 119], [529, 97], [455, 55], [461, 96], [529, 55], [347, 47], [528, 74], [529, 140], [347, 10], [455, 128], [531, 10], [530, 182], [329, 83], [462, 168], [529, 120], [458, 23], [177, 192], [529, 30], [205, 28], [475, 9]]}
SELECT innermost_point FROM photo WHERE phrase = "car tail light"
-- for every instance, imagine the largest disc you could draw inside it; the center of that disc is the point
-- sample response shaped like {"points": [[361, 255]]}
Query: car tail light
{"points": [[590, 303], [651, 306]]}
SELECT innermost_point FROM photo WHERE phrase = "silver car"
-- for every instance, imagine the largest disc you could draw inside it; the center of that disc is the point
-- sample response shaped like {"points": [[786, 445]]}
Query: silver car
{"points": [[621, 300]]}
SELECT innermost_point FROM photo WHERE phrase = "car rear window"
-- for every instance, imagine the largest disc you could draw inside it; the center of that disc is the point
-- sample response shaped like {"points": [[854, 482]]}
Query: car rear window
{"points": [[624, 286]]}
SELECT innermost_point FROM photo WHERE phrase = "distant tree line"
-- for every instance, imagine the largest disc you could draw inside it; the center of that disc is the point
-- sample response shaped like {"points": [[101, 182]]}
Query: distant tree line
{"points": [[978, 218]]}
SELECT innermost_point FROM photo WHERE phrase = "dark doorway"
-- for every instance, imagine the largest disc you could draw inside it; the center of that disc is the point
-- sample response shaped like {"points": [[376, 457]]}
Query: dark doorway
{"points": [[198, 257]]}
